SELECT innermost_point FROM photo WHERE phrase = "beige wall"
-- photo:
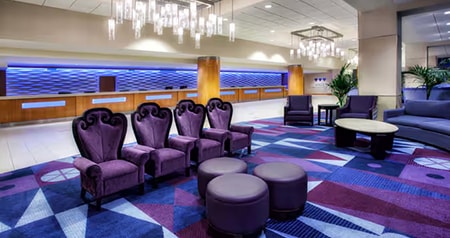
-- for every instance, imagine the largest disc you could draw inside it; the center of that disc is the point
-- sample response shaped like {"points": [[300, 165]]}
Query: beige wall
{"points": [[313, 87]]}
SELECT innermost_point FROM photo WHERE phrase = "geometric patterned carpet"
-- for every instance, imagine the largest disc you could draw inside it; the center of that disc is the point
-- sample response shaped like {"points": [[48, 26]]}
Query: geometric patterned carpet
{"points": [[349, 193]]}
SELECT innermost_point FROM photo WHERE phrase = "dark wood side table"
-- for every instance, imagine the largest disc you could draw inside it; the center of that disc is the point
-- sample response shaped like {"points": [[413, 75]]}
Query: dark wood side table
{"points": [[329, 108]]}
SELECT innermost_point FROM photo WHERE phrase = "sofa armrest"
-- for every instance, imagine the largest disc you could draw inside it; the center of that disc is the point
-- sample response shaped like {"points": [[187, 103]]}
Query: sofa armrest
{"points": [[135, 155], [216, 134], [87, 167], [393, 113], [248, 130], [182, 144]]}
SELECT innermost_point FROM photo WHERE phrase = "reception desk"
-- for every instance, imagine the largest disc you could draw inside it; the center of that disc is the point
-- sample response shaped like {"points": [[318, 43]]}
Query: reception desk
{"points": [[43, 107]]}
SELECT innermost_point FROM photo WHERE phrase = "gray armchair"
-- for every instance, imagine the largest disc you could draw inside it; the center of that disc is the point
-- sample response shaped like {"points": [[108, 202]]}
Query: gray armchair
{"points": [[219, 117], [105, 167], [359, 107], [299, 109], [151, 126]]}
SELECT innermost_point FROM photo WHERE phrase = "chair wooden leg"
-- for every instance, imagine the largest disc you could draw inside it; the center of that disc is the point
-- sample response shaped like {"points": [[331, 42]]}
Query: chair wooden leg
{"points": [[83, 193], [154, 183], [249, 149], [141, 188], [187, 171], [98, 204]]}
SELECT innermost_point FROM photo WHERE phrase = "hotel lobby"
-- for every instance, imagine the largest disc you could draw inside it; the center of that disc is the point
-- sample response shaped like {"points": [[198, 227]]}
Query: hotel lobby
{"points": [[61, 58]]}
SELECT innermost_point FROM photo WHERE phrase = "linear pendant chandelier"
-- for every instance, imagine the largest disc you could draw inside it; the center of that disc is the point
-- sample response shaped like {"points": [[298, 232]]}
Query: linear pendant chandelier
{"points": [[199, 18]]}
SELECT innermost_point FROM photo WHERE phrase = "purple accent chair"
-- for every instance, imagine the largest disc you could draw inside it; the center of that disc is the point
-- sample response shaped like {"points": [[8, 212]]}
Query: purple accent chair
{"points": [[358, 106], [105, 167], [151, 126], [299, 109], [219, 117], [189, 119]]}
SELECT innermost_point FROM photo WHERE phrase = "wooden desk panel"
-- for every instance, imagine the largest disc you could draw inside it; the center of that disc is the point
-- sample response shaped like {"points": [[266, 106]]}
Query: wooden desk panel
{"points": [[8, 111], [270, 93], [249, 94], [85, 102], [188, 94], [229, 95], [41, 108], [163, 98]]}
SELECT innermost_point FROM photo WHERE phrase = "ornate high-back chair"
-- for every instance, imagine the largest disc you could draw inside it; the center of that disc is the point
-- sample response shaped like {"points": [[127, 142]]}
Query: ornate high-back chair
{"points": [[189, 119], [359, 106], [105, 167], [151, 126], [299, 108], [219, 116]]}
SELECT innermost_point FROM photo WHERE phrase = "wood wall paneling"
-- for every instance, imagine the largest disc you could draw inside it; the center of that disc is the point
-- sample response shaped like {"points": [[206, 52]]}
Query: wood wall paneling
{"points": [[161, 98], [249, 94], [295, 78], [30, 114], [85, 102], [2, 82]]}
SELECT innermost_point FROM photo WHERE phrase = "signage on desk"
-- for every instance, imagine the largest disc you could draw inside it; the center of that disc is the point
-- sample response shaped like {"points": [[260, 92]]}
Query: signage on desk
{"points": [[320, 82]]}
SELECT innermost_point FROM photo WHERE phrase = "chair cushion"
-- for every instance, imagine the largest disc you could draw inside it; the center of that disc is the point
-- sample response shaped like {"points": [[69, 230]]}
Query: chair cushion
{"points": [[409, 120], [168, 154], [116, 168], [354, 115], [442, 126], [298, 113]]}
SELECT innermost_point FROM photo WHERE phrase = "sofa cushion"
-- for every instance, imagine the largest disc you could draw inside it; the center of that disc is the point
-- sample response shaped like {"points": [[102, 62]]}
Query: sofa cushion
{"points": [[409, 120], [298, 113], [353, 115], [428, 108], [442, 126]]}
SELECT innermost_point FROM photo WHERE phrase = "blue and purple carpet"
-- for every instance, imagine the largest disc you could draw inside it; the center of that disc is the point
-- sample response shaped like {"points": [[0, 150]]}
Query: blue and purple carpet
{"points": [[350, 194]]}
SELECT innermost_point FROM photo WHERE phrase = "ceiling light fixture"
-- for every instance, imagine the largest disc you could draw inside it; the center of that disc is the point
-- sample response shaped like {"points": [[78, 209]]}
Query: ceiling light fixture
{"points": [[315, 42], [447, 12], [268, 6], [197, 17]]}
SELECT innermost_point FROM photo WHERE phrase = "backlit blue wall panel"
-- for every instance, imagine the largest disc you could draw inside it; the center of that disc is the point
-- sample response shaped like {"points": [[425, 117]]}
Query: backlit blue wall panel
{"points": [[34, 81]]}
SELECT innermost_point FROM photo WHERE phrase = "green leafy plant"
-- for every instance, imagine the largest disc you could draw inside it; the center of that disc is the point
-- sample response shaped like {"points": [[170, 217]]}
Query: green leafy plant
{"points": [[342, 84], [428, 77]]}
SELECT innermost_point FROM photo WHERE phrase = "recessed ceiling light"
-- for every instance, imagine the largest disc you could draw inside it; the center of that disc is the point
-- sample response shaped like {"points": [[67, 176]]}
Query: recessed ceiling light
{"points": [[272, 31], [447, 12], [225, 19], [448, 24], [272, 40], [268, 6], [312, 23]]}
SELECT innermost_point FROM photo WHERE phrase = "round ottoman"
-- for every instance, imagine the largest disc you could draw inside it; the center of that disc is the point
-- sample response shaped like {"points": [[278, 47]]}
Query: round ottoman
{"points": [[212, 168], [288, 188], [237, 205]]}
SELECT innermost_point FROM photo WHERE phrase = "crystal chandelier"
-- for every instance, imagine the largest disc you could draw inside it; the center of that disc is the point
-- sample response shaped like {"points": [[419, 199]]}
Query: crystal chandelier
{"points": [[199, 18], [315, 42]]}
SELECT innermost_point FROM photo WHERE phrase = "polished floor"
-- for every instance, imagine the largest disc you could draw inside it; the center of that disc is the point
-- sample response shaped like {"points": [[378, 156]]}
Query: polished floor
{"points": [[25, 145]]}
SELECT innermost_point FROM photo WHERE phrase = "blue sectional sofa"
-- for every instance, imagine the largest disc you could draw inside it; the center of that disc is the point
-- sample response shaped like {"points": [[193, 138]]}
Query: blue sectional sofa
{"points": [[427, 121]]}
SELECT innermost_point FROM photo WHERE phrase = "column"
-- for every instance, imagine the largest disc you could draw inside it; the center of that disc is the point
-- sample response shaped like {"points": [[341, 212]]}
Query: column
{"points": [[107, 84], [2, 82], [295, 80], [379, 71], [208, 78]]}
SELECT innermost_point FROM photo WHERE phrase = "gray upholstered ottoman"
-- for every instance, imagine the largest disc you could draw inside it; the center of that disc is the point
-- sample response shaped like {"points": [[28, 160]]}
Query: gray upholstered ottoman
{"points": [[237, 204], [288, 188], [212, 168]]}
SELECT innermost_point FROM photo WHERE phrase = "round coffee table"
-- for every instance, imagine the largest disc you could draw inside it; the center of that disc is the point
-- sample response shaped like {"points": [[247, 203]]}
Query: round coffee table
{"points": [[381, 133]]}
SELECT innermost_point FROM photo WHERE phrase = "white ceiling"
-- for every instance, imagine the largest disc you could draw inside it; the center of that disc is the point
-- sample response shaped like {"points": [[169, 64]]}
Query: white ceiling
{"points": [[273, 26], [253, 21]]}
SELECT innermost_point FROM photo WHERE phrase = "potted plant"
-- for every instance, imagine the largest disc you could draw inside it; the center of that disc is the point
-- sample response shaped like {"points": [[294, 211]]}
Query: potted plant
{"points": [[429, 77], [342, 84]]}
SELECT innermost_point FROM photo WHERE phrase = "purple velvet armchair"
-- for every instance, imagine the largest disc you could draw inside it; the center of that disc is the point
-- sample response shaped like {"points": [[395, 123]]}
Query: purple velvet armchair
{"points": [[105, 167], [359, 107], [151, 126], [299, 109], [219, 117], [189, 119]]}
